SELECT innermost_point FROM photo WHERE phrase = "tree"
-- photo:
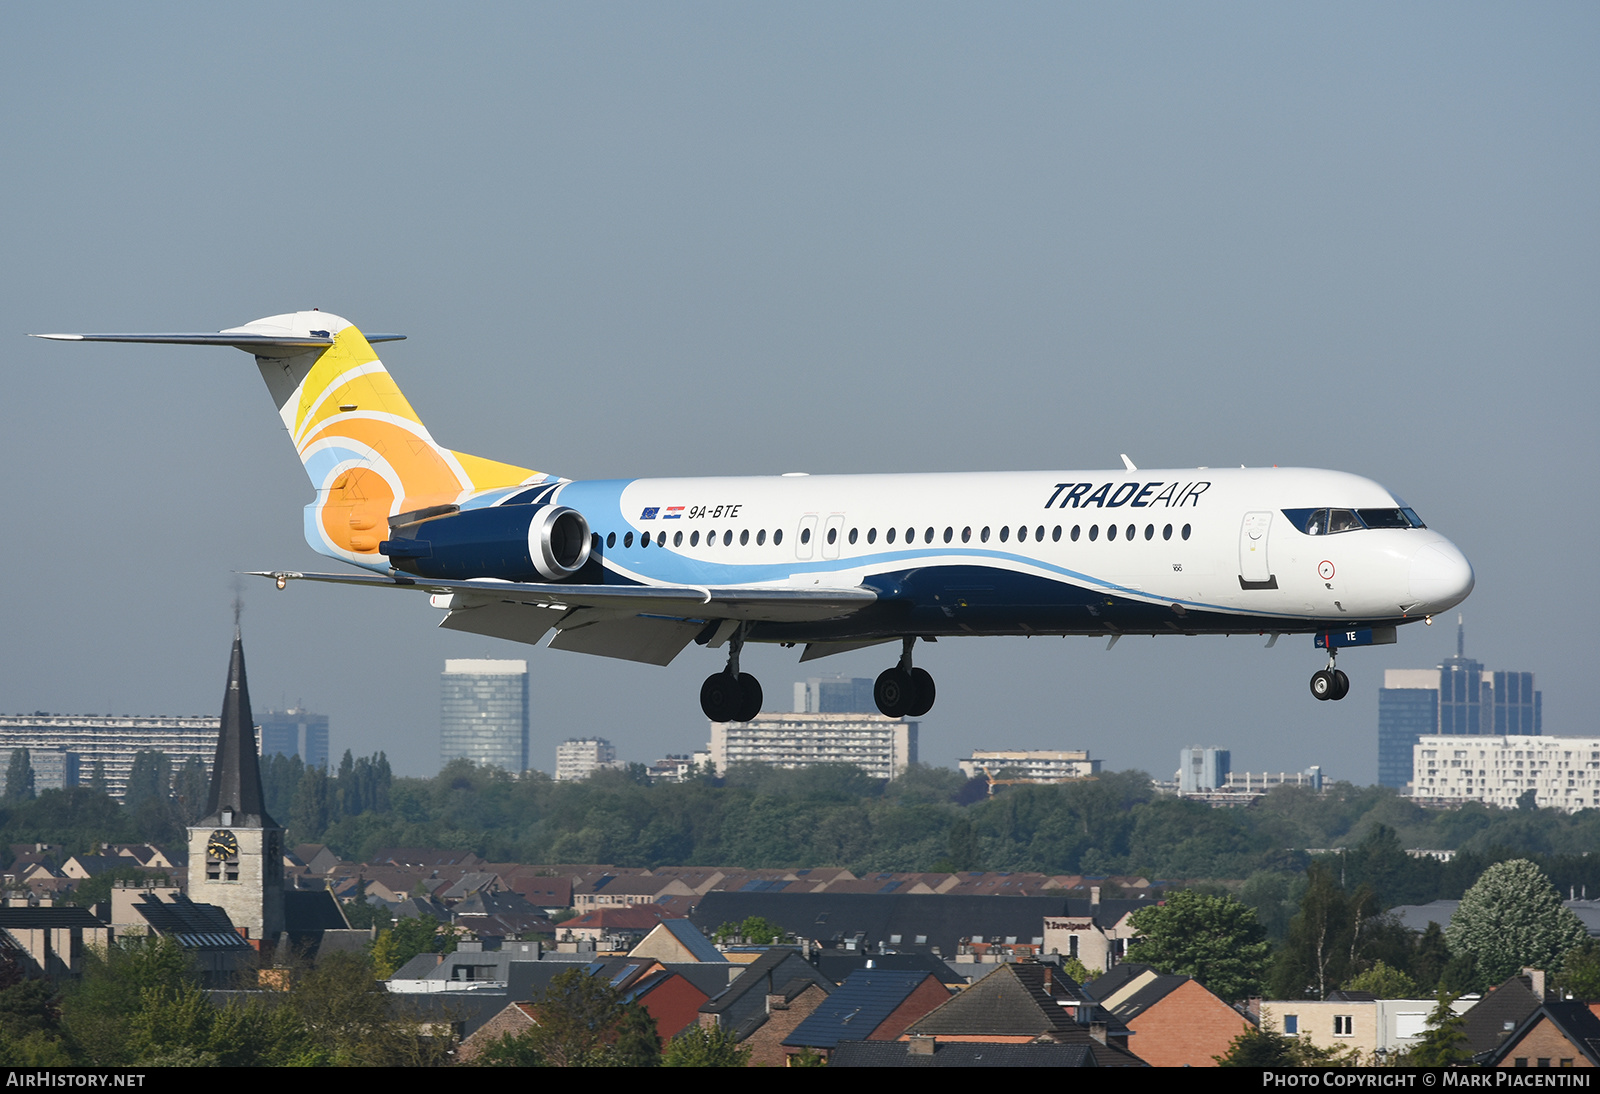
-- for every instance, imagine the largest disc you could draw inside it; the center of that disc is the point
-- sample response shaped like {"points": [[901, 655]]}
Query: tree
{"points": [[19, 777], [1445, 1041], [754, 931], [581, 1019], [705, 1046], [1325, 939], [1513, 918], [1384, 982], [1214, 939], [1580, 971]]}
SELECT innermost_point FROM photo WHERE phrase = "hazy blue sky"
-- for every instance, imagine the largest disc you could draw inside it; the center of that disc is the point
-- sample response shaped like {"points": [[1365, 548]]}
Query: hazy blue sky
{"points": [[651, 239]]}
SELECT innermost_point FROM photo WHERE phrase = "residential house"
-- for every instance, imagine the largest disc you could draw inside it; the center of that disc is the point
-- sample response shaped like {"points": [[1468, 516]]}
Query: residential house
{"points": [[1019, 1004], [1563, 1034], [1176, 1022], [871, 1005], [767, 1001]]}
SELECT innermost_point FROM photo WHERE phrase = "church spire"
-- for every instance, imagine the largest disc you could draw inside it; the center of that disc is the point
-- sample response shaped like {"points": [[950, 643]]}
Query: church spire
{"points": [[236, 771]]}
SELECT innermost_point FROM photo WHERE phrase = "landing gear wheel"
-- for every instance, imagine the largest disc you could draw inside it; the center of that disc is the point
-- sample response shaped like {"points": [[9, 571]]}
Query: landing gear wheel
{"points": [[721, 697], [750, 698], [1323, 684], [1341, 684], [922, 680], [895, 692]]}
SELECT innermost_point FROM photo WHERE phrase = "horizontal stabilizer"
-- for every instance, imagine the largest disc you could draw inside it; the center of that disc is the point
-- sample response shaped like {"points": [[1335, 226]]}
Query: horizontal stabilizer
{"points": [[237, 339]]}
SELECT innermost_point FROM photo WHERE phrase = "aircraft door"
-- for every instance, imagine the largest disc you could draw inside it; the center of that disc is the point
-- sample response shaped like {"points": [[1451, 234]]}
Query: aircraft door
{"points": [[1254, 572], [831, 537], [803, 545]]}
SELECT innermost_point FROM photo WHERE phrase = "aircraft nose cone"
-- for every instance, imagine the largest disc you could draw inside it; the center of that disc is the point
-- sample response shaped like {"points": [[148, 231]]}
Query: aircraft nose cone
{"points": [[1441, 576]]}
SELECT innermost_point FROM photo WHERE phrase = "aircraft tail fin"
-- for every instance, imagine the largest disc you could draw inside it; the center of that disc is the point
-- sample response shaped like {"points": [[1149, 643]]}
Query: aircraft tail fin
{"points": [[366, 451]]}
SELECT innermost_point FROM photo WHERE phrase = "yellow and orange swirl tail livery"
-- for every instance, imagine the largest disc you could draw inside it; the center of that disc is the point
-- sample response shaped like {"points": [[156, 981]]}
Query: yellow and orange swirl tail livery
{"points": [[368, 454]]}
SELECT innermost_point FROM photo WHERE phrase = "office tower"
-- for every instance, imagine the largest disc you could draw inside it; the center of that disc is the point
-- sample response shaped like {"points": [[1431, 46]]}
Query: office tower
{"points": [[834, 695], [1458, 699], [1202, 769], [295, 732], [483, 713]]}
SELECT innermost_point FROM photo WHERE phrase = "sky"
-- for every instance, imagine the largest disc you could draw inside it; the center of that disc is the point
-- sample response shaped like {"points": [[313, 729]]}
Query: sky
{"points": [[628, 240]]}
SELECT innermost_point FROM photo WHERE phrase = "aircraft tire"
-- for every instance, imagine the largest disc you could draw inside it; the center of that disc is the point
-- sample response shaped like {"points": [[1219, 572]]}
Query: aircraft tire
{"points": [[923, 681], [1341, 684], [749, 698], [721, 697], [1323, 684], [895, 692]]}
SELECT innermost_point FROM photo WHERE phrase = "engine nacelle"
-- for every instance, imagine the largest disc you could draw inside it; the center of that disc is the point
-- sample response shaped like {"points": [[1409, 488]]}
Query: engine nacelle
{"points": [[511, 542]]}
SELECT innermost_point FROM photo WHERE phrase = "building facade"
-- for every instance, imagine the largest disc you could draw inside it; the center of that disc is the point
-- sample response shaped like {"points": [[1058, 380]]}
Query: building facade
{"points": [[1562, 772], [834, 695], [295, 732], [579, 757], [1201, 769], [111, 741], [1035, 765], [1459, 698], [882, 747], [483, 713]]}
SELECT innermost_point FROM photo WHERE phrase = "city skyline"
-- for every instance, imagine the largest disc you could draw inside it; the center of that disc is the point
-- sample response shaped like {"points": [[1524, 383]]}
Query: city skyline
{"points": [[828, 239]]}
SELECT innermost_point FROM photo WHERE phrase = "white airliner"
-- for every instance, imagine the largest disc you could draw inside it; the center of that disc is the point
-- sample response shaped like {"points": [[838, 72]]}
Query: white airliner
{"points": [[639, 568]]}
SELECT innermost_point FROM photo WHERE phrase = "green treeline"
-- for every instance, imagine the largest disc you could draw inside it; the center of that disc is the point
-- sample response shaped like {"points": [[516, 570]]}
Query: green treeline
{"points": [[929, 820]]}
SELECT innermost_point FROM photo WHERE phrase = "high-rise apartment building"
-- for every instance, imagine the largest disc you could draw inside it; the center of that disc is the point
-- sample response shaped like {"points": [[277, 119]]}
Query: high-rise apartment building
{"points": [[580, 757], [483, 713], [295, 732], [882, 747], [1032, 764], [1458, 699], [110, 740], [1560, 772]]}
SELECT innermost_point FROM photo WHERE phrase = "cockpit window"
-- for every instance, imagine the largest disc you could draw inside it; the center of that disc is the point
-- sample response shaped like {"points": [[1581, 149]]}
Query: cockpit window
{"points": [[1383, 518], [1327, 522]]}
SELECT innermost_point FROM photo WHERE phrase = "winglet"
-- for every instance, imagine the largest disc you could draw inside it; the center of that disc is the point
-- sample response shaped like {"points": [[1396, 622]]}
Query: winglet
{"points": [[1128, 463]]}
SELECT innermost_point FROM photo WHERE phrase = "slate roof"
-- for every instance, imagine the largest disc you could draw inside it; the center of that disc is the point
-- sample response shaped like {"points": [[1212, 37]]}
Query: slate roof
{"points": [[1128, 990], [902, 922], [856, 1008], [1494, 1017], [960, 1054], [742, 1005], [306, 911], [193, 926], [836, 966], [236, 770], [59, 917]]}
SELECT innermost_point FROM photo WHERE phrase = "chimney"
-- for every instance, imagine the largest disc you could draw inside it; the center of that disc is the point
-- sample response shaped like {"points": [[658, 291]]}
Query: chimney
{"points": [[1537, 978], [1094, 896], [919, 1045]]}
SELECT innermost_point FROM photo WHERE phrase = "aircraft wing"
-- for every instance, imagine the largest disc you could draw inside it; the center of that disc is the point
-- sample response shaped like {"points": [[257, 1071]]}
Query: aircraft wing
{"points": [[649, 623]]}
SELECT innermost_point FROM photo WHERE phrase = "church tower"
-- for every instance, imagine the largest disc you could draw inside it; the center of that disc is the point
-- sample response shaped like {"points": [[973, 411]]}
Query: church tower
{"points": [[236, 849]]}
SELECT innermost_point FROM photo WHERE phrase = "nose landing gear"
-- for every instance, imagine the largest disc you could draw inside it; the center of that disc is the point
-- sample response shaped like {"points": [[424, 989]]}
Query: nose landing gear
{"points": [[1331, 682], [731, 695], [904, 691]]}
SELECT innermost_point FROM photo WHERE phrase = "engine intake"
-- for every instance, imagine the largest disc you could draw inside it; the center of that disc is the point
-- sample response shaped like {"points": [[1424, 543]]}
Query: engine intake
{"points": [[510, 542]]}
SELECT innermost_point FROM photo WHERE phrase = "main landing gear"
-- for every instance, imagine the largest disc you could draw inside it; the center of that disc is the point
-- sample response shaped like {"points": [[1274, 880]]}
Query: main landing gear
{"points": [[731, 695], [904, 691], [1331, 682]]}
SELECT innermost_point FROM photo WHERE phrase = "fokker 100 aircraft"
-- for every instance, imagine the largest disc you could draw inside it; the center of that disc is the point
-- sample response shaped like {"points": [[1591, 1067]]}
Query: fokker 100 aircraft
{"points": [[640, 568]]}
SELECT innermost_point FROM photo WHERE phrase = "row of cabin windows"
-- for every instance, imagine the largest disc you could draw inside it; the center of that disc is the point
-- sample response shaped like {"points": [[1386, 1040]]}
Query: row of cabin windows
{"points": [[889, 536]]}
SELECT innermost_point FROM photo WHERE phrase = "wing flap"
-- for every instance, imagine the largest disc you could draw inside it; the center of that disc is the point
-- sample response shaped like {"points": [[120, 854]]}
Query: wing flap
{"points": [[649, 639], [771, 604]]}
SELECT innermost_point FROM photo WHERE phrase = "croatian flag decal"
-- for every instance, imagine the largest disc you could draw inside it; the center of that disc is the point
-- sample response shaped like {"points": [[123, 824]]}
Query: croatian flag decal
{"points": [[650, 513], [674, 512]]}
